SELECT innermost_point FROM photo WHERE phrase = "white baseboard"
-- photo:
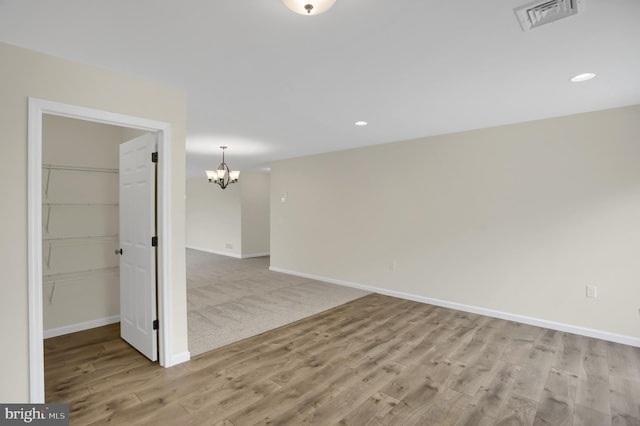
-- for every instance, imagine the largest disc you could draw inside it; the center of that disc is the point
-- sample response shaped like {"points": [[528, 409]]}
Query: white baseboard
{"points": [[583, 331], [178, 359], [247, 256], [229, 254], [73, 328], [222, 253]]}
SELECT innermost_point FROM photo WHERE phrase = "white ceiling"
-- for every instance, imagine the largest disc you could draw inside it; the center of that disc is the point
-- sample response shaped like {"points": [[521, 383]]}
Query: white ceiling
{"points": [[272, 84]]}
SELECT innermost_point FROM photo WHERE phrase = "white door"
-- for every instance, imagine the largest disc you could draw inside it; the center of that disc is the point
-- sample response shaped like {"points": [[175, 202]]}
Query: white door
{"points": [[138, 256]]}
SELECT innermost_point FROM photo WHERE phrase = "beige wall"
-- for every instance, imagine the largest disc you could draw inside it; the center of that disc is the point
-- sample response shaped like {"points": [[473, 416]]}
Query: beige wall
{"points": [[255, 190], [516, 219], [237, 215], [26, 73], [213, 217], [71, 294]]}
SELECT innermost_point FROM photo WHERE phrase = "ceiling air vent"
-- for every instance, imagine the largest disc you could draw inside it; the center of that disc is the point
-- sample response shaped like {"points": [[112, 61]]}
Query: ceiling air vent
{"points": [[539, 13]]}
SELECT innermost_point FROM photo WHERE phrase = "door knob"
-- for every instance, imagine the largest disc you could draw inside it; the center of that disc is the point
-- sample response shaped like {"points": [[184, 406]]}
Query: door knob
{"points": [[119, 251]]}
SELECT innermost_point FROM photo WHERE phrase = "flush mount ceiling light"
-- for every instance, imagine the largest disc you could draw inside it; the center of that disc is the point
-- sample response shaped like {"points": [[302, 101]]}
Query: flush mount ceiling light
{"points": [[360, 123], [582, 77], [309, 7], [223, 176]]}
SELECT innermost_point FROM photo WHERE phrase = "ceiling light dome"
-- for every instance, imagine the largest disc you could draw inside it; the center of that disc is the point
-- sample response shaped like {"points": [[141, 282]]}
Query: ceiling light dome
{"points": [[309, 7]]}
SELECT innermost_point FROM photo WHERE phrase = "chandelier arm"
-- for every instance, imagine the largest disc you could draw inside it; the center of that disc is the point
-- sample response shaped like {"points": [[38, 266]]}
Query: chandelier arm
{"points": [[224, 180]]}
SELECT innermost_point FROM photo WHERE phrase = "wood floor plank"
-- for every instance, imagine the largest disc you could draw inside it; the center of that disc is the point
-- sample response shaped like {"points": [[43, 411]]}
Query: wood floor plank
{"points": [[593, 392], [624, 396], [584, 416], [518, 411], [224, 402], [104, 368], [623, 361], [473, 417], [145, 413], [415, 377], [413, 405], [445, 409], [491, 397], [594, 364], [63, 344], [556, 406], [352, 393], [85, 409], [624, 420], [299, 395], [374, 361], [134, 378], [370, 411], [517, 351], [68, 395], [568, 353], [551, 338], [595, 346], [534, 371]]}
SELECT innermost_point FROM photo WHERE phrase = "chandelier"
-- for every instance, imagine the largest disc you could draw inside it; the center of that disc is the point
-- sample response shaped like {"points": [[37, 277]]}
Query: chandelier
{"points": [[309, 7], [223, 176]]}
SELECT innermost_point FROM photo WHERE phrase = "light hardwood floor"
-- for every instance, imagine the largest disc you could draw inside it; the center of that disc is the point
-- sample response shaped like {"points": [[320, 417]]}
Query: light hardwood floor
{"points": [[374, 361]]}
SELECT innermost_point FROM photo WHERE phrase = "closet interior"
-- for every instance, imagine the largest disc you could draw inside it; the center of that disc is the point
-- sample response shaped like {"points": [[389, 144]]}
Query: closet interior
{"points": [[80, 212]]}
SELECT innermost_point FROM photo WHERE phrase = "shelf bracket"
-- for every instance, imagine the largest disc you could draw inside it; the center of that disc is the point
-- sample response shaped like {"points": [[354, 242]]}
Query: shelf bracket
{"points": [[49, 257], [53, 289], [48, 218], [46, 191]]}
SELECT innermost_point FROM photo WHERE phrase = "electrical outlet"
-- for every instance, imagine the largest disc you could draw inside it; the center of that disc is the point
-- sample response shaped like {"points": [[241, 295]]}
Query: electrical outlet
{"points": [[229, 246], [592, 291], [394, 265]]}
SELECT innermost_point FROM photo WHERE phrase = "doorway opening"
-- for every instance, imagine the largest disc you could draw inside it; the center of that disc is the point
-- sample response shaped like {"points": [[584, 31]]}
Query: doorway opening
{"points": [[37, 109]]}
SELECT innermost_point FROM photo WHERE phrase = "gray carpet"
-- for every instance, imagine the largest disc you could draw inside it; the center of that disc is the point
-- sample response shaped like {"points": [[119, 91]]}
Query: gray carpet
{"points": [[231, 299]]}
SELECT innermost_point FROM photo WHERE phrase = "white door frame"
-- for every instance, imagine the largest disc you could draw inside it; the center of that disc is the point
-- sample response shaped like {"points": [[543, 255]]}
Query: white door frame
{"points": [[38, 107]]}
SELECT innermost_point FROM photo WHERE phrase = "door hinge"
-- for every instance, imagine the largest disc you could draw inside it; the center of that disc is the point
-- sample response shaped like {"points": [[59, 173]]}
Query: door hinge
{"points": [[154, 157], [156, 324], [154, 241]]}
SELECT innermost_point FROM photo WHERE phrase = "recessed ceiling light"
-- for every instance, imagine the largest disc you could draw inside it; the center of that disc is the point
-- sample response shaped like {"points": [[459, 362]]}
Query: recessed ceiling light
{"points": [[360, 123], [582, 77]]}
